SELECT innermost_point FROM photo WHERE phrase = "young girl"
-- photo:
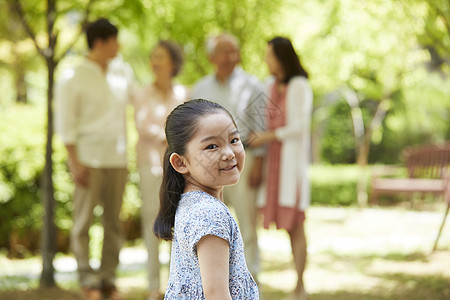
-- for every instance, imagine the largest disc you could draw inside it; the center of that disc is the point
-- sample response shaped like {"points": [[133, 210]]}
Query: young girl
{"points": [[204, 154]]}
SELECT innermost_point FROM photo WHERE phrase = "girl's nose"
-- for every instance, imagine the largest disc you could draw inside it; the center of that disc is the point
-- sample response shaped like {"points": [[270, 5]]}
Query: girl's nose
{"points": [[228, 154]]}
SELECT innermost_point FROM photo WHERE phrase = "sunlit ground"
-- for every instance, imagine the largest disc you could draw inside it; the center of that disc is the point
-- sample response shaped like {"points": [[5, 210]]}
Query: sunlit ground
{"points": [[353, 254]]}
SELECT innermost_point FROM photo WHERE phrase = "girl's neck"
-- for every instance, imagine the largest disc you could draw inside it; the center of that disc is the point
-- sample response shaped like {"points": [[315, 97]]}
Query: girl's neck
{"points": [[216, 192]]}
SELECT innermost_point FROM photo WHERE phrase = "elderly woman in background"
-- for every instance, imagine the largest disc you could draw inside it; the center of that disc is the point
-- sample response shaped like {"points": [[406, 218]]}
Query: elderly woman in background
{"points": [[152, 104]]}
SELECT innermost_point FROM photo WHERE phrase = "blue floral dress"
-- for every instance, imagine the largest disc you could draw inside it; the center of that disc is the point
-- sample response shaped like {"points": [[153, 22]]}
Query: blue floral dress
{"points": [[199, 214]]}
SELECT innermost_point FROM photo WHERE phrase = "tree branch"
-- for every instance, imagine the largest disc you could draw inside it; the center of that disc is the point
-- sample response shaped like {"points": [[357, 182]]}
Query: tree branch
{"points": [[357, 118], [16, 6], [442, 13], [435, 40], [84, 23], [379, 115]]}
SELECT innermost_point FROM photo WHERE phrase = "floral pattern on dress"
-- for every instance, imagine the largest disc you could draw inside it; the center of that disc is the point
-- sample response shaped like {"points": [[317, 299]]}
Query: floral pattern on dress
{"points": [[200, 214]]}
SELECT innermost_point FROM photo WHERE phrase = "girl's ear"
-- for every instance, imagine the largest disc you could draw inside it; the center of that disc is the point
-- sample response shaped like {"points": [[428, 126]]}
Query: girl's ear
{"points": [[178, 164]]}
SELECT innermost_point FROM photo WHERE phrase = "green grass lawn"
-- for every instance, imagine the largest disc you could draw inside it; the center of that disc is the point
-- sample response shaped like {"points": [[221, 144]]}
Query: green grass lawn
{"points": [[354, 254]]}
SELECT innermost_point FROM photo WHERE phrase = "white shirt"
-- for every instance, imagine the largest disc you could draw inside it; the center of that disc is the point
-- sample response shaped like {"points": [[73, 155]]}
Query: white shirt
{"points": [[242, 95], [91, 112]]}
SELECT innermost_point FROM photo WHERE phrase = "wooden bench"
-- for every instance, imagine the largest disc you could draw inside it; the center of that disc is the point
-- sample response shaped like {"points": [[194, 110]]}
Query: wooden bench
{"points": [[428, 172]]}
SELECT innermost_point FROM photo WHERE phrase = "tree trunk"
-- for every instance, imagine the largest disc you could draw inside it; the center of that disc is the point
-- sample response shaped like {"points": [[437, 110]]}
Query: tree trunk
{"points": [[21, 86], [364, 150], [19, 78], [48, 237], [362, 158], [362, 144], [49, 229]]}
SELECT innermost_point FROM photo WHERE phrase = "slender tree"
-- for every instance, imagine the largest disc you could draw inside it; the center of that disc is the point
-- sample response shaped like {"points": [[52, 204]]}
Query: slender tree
{"points": [[48, 53], [363, 135]]}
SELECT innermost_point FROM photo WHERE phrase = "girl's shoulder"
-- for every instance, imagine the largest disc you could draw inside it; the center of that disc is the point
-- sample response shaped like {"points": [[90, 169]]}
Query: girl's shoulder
{"points": [[201, 212], [201, 201]]}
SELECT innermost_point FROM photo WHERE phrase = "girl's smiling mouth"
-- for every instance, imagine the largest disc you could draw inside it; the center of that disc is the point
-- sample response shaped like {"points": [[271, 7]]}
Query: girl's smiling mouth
{"points": [[228, 168]]}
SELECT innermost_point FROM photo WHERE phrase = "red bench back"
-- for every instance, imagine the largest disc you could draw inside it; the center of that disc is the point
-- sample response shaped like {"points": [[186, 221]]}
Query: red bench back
{"points": [[430, 161]]}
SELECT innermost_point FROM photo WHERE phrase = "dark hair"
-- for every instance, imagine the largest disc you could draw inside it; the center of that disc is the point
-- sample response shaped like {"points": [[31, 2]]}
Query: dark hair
{"points": [[175, 53], [181, 126], [100, 29], [290, 62]]}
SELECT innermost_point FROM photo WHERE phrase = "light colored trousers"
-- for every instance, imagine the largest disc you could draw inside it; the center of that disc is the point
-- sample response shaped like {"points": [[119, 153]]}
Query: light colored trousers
{"points": [[243, 199], [106, 187], [149, 186]]}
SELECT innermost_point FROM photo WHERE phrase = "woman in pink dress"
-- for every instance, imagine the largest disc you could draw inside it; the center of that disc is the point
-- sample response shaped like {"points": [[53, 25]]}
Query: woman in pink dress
{"points": [[152, 104], [286, 192]]}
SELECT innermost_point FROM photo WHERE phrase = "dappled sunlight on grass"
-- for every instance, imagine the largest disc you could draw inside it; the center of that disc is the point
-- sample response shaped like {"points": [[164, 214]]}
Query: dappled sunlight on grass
{"points": [[353, 254]]}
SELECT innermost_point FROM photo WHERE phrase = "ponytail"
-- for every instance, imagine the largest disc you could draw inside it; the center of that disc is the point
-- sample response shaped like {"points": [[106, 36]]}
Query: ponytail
{"points": [[169, 196]]}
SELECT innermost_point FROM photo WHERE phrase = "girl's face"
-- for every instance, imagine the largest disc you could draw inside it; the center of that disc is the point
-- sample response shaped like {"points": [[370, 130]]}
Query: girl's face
{"points": [[273, 64], [215, 155], [161, 62]]}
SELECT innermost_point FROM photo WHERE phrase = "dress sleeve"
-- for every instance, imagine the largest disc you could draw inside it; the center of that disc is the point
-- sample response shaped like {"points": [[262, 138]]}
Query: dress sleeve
{"points": [[298, 109], [66, 100], [209, 220]]}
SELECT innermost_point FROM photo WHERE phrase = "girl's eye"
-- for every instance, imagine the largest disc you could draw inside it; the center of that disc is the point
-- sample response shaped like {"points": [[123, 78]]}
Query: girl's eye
{"points": [[212, 146], [235, 140]]}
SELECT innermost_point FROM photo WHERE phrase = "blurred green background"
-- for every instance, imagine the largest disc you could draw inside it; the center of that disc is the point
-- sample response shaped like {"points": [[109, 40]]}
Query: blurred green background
{"points": [[380, 71]]}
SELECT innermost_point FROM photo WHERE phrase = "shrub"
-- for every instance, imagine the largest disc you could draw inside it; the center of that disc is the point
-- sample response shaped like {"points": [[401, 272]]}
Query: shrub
{"points": [[22, 159], [22, 152], [338, 143], [334, 184]]}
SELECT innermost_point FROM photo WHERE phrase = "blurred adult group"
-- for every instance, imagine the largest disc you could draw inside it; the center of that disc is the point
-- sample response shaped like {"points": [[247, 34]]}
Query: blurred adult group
{"points": [[273, 119]]}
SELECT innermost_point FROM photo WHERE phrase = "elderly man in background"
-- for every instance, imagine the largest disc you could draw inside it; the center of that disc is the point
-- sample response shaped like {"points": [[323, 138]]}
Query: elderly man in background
{"points": [[242, 95]]}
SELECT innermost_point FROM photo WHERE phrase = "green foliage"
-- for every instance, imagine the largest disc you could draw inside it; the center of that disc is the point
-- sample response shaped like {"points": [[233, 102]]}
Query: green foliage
{"points": [[334, 185], [181, 21], [142, 23], [22, 152], [338, 144], [21, 165], [22, 146], [418, 114], [422, 118], [380, 48], [435, 35], [362, 44]]}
